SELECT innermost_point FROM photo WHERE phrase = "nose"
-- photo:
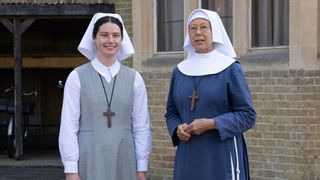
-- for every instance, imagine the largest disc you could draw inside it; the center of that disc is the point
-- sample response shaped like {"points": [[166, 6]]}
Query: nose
{"points": [[110, 38], [198, 31]]}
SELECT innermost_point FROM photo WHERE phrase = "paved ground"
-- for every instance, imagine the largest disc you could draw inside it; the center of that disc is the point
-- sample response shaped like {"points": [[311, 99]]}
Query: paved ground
{"points": [[31, 173], [36, 165]]}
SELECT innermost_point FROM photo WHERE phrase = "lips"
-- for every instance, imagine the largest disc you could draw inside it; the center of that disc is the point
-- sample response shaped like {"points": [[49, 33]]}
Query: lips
{"points": [[199, 40], [109, 47]]}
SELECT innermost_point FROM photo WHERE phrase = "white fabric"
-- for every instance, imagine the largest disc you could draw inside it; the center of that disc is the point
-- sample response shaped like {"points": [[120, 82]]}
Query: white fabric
{"points": [[107, 72], [237, 158], [205, 64], [88, 48], [208, 63], [68, 140], [232, 168], [237, 161]]}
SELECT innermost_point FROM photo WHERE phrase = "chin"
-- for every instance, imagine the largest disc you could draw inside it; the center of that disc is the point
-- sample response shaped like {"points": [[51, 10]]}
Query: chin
{"points": [[201, 51], [109, 53]]}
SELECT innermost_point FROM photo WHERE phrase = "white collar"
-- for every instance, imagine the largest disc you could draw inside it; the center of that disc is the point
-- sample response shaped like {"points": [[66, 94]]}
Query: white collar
{"points": [[104, 70], [205, 63]]}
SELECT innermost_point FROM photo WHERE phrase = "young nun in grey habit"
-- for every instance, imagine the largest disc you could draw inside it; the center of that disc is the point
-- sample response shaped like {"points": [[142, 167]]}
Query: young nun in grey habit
{"points": [[209, 105], [105, 129]]}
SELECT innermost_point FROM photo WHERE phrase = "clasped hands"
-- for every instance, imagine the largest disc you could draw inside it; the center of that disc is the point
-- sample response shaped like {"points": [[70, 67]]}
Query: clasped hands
{"points": [[197, 127]]}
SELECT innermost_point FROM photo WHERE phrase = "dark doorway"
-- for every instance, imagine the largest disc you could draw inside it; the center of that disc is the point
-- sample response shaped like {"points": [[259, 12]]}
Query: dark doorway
{"points": [[43, 128]]}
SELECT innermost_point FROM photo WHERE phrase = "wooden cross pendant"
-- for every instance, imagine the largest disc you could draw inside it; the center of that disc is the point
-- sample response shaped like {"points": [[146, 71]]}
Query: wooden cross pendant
{"points": [[193, 99], [109, 115]]}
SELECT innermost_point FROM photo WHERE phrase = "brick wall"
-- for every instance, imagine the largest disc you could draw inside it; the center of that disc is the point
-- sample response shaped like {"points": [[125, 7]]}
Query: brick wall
{"points": [[285, 142], [162, 155], [124, 9]]}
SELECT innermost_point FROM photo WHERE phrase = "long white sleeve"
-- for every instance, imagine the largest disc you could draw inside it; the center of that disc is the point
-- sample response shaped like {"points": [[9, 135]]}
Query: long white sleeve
{"points": [[141, 124], [69, 127]]}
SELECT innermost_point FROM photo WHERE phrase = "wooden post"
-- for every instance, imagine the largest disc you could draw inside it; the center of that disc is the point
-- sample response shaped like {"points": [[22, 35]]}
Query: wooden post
{"points": [[17, 28], [17, 88]]}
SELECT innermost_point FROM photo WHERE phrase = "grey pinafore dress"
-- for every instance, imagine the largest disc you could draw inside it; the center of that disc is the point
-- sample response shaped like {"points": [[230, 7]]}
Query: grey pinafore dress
{"points": [[106, 153]]}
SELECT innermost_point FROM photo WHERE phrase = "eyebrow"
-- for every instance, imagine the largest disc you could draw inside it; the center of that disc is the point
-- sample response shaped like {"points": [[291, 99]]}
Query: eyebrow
{"points": [[104, 32], [199, 24]]}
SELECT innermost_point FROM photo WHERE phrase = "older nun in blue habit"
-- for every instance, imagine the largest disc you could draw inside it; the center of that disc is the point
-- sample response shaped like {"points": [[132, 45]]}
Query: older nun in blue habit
{"points": [[209, 105]]}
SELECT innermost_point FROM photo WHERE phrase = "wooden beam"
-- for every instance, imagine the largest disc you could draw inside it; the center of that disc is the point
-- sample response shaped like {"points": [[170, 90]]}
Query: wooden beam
{"points": [[7, 23], [54, 9], [17, 88], [26, 23], [45, 62]]}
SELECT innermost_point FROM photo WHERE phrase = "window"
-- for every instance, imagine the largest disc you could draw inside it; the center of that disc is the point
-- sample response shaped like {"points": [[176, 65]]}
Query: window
{"points": [[170, 35], [270, 23], [224, 9]]}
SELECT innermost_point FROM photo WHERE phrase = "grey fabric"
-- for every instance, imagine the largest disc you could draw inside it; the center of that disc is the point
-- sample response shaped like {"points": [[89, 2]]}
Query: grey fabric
{"points": [[106, 153]]}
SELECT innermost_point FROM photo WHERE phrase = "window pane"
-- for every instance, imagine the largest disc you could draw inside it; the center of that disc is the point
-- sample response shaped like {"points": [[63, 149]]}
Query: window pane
{"points": [[170, 25], [224, 9], [270, 23]]}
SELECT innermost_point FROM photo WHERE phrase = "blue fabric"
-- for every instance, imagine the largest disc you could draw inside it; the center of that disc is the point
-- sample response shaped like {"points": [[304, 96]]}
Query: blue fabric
{"points": [[226, 98]]}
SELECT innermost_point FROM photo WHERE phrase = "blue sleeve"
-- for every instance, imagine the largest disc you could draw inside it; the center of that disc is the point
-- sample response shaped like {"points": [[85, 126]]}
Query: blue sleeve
{"points": [[241, 116], [172, 115]]}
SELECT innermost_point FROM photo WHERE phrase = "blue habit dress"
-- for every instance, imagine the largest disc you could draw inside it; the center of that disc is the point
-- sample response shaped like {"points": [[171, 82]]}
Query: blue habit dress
{"points": [[216, 154]]}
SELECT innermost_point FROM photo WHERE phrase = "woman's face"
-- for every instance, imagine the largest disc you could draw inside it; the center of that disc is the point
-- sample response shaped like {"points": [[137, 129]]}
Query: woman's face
{"points": [[108, 40], [200, 35]]}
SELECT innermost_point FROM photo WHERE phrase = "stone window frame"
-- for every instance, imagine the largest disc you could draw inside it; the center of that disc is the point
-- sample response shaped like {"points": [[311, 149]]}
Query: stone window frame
{"points": [[250, 32], [303, 53], [172, 48], [257, 58]]}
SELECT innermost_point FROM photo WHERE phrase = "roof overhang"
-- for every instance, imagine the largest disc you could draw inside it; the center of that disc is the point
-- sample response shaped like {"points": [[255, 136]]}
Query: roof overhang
{"points": [[46, 10]]}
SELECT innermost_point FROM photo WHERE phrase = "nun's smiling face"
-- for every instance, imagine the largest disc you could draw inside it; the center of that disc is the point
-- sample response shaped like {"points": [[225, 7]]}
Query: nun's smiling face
{"points": [[108, 40], [200, 35]]}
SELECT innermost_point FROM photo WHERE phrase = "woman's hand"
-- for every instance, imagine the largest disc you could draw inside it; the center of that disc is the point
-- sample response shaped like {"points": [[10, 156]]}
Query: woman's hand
{"points": [[182, 135], [72, 176], [141, 175], [199, 126]]}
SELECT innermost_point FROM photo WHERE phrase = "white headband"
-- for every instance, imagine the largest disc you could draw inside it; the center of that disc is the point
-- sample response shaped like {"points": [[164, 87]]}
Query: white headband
{"points": [[88, 48], [219, 34]]}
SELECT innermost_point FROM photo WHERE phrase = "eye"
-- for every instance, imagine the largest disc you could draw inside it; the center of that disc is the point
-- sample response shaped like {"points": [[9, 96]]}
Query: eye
{"points": [[104, 34], [193, 28], [117, 35], [204, 27]]}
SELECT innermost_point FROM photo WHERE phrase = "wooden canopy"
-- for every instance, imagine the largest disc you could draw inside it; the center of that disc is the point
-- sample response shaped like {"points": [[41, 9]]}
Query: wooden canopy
{"points": [[23, 10]]}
